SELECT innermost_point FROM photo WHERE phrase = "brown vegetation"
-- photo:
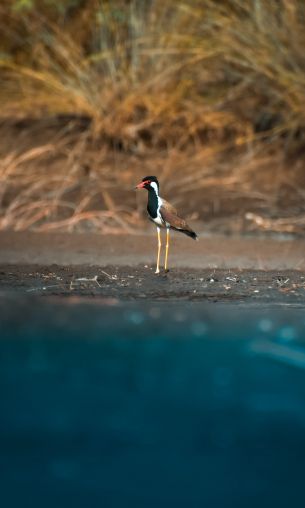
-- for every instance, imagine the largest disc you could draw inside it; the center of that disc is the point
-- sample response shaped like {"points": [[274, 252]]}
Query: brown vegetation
{"points": [[208, 95]]}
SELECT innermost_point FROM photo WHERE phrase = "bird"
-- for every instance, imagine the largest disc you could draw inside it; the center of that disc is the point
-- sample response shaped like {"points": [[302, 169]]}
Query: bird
{"points": [[164, 215]]}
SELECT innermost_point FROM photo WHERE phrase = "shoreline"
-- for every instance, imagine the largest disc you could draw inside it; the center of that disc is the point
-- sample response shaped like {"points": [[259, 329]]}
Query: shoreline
{"points": [[210, 252]]}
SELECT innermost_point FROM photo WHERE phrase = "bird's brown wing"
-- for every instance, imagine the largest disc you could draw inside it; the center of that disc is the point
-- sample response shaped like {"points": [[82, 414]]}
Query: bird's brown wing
{"points": [[169, 215], [167, 206]]}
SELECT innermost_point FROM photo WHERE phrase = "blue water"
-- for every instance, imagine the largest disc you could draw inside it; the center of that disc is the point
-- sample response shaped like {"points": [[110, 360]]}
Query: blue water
{"points": [[151, 405]]}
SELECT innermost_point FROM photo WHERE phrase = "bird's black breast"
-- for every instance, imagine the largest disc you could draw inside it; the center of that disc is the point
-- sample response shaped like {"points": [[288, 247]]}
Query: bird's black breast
{"points": [[152, 205]]}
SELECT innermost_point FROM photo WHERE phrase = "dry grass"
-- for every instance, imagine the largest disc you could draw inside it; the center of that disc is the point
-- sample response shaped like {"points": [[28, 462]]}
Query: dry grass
{"points": [[209, 95]]}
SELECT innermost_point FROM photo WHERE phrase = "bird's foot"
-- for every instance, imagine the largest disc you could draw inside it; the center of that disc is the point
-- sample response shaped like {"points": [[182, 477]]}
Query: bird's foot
{"points": [[157, 270]]}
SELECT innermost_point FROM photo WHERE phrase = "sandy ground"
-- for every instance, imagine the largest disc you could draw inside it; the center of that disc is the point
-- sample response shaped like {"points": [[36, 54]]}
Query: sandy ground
{"points": [[129, 283], [234, 252], [121, 267]]}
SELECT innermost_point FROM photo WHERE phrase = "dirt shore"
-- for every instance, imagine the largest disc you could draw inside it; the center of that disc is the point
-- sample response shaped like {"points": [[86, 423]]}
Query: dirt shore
{"points": [[214, 269], [129, 283], [210, 252]]}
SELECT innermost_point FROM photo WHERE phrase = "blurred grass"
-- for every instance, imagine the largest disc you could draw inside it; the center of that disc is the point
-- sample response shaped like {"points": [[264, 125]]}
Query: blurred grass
{"points": [[189, 85]]}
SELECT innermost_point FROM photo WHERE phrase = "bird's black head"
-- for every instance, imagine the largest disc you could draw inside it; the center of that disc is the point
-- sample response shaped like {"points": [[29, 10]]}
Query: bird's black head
{"points": [[149, 182]]}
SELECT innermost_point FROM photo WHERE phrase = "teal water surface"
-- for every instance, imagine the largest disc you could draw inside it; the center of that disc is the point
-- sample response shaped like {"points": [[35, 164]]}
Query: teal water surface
{"points": [[107, 404]]}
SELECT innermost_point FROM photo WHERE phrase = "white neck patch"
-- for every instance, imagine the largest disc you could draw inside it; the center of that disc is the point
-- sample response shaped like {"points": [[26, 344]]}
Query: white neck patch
{"points": [[155, 187]]}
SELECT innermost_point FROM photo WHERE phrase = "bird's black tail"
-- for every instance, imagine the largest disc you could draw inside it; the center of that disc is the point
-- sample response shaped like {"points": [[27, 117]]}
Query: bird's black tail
{"points": [[190, 233]]}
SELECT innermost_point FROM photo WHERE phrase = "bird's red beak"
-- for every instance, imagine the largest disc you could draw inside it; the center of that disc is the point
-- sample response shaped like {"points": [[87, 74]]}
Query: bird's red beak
{"points": [[140, 185]]}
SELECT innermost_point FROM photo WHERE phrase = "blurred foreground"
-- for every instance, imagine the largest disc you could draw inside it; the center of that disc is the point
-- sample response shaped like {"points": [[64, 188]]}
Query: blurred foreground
{"points": [[122, 387], [107, 404]]}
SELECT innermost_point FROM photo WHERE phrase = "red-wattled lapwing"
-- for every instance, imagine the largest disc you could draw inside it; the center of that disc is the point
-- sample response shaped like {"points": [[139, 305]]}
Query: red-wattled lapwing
{"points": [[163, 214]]}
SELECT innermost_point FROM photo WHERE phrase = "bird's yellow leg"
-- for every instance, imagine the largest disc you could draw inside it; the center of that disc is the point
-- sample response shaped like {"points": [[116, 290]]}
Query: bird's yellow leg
{"points": [[159, 250], [166, 249]]}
